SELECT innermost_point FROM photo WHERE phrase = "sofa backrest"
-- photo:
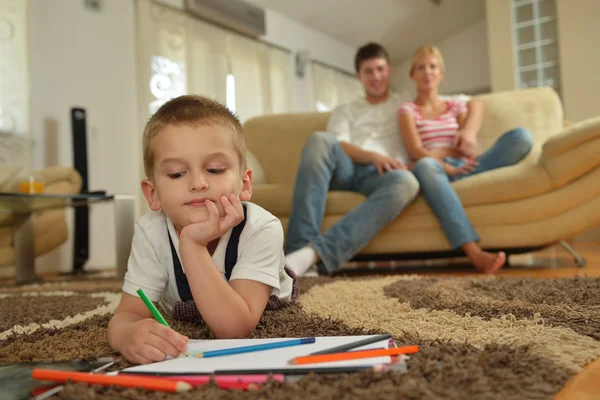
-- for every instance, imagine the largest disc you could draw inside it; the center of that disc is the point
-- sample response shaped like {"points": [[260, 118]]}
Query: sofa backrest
{"points": [[537, 109], [277, 140]]}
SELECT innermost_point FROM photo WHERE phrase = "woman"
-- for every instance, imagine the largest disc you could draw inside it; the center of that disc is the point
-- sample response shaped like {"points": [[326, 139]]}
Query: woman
{"points": [[443, 150]]}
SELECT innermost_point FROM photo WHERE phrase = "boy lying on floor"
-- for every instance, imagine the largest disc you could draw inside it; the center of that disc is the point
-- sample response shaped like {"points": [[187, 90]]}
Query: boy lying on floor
{"points": [[184, 250]]}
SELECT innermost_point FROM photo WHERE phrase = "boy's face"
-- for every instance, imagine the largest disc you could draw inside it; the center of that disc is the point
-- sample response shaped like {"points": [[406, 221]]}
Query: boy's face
{"points": [[193, 164]]}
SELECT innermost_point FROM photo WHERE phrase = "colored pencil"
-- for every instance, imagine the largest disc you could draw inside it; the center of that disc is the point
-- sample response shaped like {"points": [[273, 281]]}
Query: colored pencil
{"points": [[353, 345], [256, 347], [241, 382], [199, 379], [143, 382], [297, 371], [152, 308], [258, 372], [353, 355]]}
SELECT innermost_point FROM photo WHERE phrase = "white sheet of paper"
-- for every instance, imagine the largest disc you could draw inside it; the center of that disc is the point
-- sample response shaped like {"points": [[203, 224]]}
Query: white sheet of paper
{"points": [[266, 359]]}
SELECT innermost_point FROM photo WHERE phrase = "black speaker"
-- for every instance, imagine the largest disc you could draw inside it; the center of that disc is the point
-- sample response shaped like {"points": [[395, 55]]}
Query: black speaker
{"points": [[81, 242]]}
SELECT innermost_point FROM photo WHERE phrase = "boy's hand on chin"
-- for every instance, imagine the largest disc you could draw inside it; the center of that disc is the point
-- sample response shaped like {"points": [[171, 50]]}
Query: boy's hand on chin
{"points": [[214, 226]]}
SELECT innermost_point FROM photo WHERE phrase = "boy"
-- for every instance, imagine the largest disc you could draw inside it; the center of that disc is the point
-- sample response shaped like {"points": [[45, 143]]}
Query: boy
{"points": [[195, 162]]}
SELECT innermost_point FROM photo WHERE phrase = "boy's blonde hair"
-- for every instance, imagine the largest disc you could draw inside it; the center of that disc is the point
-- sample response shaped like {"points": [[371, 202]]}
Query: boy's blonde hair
{"points": [[430, 50], [195, 110]]}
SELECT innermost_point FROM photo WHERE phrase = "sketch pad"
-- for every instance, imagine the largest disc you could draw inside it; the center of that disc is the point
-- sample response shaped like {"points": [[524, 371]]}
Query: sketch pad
{"points": [[275, 359]]}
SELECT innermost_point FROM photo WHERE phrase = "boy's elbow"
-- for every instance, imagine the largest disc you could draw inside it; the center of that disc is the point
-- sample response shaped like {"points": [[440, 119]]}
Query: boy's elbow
{"points": [[234, 330]]}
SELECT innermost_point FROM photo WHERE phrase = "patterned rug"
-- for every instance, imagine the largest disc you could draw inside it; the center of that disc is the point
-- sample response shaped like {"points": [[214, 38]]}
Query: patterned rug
{"points": [[479, 338]]}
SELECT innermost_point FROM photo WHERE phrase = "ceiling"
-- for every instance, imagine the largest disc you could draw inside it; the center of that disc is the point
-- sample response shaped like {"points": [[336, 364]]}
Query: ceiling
{"points": [[399, 25]]}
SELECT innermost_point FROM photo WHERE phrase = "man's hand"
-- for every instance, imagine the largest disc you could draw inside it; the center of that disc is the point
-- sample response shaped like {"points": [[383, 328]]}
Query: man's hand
{"points": [[214, 226], [468, 166], [148, 341], [466, 144], [385, 163]]}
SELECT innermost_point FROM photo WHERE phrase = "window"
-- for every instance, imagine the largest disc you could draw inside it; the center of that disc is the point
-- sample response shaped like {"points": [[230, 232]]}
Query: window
{"points": [[14, 82], [179, 54], [536, 43]]}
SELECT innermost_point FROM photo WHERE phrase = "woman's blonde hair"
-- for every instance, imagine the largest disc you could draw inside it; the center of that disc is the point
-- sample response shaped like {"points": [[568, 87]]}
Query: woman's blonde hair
{"points": [[430, 50]]}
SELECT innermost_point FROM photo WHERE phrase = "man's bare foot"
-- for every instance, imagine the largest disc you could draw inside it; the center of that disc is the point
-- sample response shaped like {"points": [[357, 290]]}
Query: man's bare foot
{"points": [[488, 262]]}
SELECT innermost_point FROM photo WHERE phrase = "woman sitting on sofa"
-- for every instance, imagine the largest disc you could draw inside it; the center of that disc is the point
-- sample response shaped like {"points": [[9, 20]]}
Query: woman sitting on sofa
{"points": [[443, 151]]}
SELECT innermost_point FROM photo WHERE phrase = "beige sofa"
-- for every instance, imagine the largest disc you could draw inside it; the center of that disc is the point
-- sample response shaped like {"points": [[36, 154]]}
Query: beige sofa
{"points": [[552, 195], [50, 227]]}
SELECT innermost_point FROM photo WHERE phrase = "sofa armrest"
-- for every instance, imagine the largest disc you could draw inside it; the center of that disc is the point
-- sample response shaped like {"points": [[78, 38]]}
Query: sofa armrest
{"points": [[60, 180], [573, 152]]}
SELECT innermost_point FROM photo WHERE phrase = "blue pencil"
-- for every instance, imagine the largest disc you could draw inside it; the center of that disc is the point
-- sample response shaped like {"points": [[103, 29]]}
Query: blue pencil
{"points": [[256, 347]]}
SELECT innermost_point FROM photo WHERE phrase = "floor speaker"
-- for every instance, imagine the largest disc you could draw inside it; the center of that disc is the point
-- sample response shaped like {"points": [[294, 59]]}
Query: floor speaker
{"points": [[81, 242]]}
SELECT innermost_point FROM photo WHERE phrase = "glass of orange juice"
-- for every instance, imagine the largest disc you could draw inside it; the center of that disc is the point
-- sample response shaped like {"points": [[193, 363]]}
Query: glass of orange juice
{"points": [[31, 185]]}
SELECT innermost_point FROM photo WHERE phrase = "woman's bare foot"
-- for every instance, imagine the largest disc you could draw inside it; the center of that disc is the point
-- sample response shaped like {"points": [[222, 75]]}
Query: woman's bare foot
{"points": [[484, 261], [488, 262]]}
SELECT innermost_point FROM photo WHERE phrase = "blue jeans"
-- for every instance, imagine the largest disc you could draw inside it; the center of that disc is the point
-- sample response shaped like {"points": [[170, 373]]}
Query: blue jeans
{"points": [[325, 166], [508, 150]]}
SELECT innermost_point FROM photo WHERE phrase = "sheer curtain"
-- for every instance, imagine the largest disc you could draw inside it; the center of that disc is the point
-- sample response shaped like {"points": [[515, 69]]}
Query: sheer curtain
{"points": [[332, 87], [179, 54], [14, 75]]}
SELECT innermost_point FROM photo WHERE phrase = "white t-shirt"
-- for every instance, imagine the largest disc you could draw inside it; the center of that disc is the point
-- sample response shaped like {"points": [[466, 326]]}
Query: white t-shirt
{"points": [[374, 127], [260, 256]]}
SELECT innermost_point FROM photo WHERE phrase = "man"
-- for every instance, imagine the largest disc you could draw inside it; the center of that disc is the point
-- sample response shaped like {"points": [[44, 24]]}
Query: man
{"points": [[362, 151]]}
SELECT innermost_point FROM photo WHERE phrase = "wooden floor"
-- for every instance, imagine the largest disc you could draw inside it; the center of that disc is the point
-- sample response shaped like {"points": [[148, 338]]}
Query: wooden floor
{"points": [[550, 263]]}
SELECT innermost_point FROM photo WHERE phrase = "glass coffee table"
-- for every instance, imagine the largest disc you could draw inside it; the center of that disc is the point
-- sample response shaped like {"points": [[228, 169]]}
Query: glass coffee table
{"points": [[22, 207]]}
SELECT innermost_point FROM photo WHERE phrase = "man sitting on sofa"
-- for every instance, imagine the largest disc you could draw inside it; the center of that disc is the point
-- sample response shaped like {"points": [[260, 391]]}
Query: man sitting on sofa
{"points": [[362, 151]]}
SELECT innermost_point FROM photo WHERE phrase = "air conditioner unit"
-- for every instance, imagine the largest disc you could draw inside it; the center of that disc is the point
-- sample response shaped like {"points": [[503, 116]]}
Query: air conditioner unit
{"points": [[236, 15]]}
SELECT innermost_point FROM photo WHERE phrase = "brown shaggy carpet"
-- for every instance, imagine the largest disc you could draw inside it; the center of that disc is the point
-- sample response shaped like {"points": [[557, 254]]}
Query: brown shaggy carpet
{"points": [[479, 338]]}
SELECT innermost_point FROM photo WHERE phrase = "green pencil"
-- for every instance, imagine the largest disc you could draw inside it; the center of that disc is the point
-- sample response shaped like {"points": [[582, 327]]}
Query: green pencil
{"points": [[152, 308]]}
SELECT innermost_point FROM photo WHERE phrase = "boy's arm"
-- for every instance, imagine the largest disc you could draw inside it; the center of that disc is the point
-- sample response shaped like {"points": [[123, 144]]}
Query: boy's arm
{"points": [[132, 331], [229, 310]]}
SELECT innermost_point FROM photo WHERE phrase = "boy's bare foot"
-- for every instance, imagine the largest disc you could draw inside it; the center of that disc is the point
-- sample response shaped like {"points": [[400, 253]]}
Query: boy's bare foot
{"points": [[488, 262]]}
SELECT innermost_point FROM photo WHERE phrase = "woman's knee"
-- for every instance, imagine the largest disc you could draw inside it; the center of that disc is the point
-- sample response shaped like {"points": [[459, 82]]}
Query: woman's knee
{"points": [[521, 138], [427, 166]]}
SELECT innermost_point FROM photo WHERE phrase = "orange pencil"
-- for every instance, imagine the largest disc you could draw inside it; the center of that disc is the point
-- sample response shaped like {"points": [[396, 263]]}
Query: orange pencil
{"points": [[144, 382], [353, 355]]}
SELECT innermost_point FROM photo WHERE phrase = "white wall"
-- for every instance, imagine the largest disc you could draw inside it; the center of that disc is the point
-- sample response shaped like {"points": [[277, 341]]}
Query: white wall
{"points": [[87, 59], [466, 60], [579, 59], [500, 44]]}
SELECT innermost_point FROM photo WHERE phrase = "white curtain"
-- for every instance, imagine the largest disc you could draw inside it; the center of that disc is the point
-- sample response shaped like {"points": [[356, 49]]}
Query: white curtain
{"points": [[14, 75], [179, 54], [332, 87]]}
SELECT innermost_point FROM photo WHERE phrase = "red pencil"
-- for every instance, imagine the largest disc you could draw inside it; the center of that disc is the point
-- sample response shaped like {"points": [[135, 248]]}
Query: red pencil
{"points": [[224, 382], [353, 355], [144, 382]]}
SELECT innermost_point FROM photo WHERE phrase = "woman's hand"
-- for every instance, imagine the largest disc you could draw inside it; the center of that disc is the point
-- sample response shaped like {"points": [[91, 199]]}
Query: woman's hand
{"points": [[467, 167], [466, 144]]}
